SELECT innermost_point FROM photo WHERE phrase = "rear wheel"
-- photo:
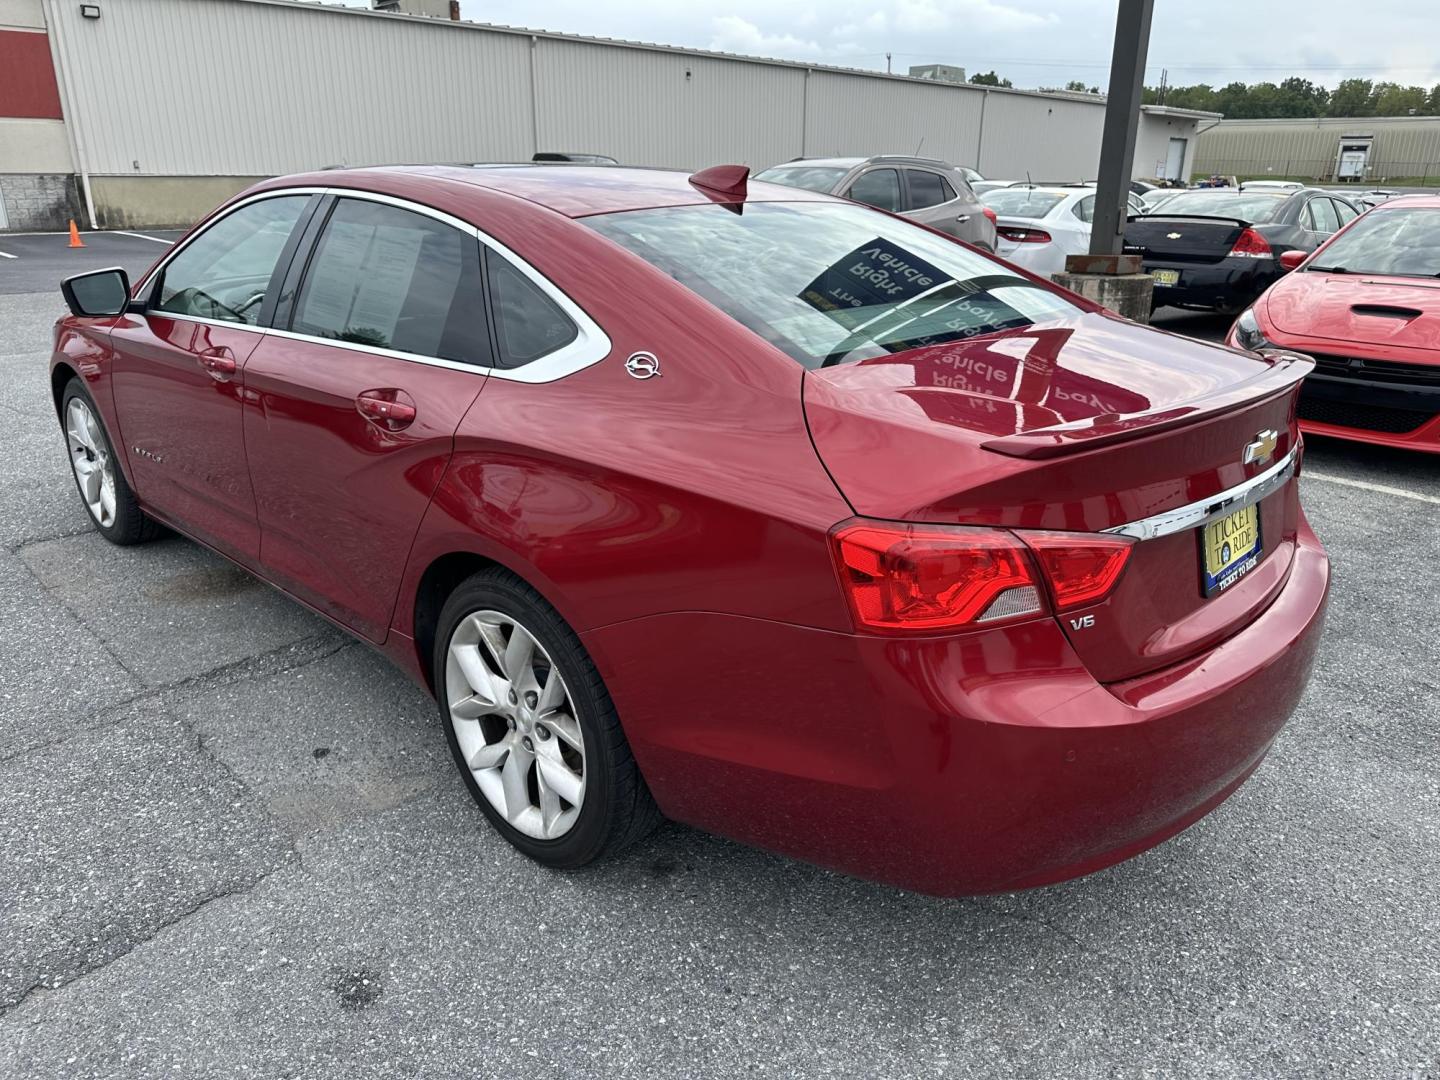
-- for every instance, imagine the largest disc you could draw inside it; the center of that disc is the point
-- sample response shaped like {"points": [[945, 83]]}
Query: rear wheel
{"points": [[98, 477], [532, 728]]}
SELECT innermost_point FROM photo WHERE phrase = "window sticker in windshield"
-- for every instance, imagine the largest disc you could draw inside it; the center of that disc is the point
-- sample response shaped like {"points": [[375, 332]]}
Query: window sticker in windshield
{"points": [[877, 274]]}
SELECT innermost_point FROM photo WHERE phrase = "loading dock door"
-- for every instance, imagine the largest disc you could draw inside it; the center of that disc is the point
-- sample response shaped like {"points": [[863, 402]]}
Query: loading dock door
{"points": [[1175, 160]]}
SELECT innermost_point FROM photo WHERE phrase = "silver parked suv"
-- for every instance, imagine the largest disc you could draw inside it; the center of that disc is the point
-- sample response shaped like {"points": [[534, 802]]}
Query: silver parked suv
{"points": [[932, 192]]}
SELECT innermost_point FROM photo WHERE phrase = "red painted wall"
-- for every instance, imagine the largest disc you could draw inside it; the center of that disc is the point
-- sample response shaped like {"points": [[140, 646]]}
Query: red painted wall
{"points": [[27, 76]]}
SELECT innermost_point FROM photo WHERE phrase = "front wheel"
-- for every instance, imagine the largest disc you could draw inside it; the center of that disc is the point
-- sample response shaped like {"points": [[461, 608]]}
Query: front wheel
{"points": [[98, 477], [532, 728]]}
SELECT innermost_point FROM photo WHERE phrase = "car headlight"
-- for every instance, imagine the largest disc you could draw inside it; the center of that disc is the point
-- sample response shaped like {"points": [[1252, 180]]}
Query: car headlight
{"points": [[1247, 332]]}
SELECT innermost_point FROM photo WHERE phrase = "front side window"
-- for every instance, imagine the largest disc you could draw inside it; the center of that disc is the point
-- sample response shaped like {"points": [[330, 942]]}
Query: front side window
{"points": [[821, 178], [528, 323], [224, 273], [879, 188], [391, 278], [830, 282]]}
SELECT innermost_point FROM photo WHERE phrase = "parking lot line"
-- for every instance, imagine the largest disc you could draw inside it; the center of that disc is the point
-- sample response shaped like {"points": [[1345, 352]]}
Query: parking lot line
{"points": [[1365, 485], [142, 236]]}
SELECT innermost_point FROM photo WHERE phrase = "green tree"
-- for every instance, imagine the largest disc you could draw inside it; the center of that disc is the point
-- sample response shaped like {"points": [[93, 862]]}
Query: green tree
{"points": [[1392, 99], [989, 78], [1353, 97], [1432, 103], [1301, 97]]}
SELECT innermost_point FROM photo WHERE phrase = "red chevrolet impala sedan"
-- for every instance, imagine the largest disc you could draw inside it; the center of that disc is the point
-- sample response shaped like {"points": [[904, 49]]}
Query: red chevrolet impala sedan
{"points": [[1366, 307], [738, 504]]}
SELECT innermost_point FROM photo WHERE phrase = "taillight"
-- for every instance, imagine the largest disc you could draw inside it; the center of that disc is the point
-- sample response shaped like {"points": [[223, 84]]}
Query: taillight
{"points": [[927, 577], [1023, 236], [1082, 568], [989, 214], [1251, 245]]}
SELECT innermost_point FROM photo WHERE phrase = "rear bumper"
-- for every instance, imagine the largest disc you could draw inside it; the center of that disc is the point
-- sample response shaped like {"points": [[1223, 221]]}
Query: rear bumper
{"points": [[1230, 284], [952, 766]]}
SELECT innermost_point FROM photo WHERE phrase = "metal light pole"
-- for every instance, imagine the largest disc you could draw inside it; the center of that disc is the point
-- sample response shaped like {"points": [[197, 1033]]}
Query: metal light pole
{"points": [[1122, 122]]}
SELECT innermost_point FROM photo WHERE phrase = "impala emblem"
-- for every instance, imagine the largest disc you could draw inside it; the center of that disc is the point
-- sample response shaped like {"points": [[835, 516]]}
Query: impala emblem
{"points": [[1172, 236], [1262, 449], [643, 365]]}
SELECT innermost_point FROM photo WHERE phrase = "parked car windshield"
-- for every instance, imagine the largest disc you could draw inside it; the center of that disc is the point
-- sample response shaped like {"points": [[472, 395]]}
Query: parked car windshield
{"points": [[832, 282], [1402, 242], [1250, 206], [810, 177], [1021, 202]]}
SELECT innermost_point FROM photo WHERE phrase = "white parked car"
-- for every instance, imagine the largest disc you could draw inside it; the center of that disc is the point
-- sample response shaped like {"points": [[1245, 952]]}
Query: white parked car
{"points": [[1271, 185], [1036, 227]]}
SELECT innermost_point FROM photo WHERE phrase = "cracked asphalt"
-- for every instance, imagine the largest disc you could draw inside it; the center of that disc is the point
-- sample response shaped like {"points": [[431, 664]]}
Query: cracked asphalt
{"points": [[232, 845]]}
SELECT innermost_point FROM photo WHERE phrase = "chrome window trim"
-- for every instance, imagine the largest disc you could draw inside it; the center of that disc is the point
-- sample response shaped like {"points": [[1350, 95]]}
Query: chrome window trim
{"points": [[1203, 511], [590, 346]]}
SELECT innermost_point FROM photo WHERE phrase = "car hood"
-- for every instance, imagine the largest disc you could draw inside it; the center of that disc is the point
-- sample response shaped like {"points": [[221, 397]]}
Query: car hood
{"points": [[1359, 308], [1082, 423]]}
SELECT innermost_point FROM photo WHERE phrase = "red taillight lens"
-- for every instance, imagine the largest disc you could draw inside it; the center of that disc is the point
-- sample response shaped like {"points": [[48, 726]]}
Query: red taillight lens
{"points": [[988, 213], [1082, 568], [926, 577], [1251, 245], [1024, 236]]}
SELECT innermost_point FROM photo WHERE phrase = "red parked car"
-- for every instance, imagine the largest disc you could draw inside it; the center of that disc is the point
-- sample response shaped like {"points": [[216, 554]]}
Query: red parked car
{"points": [[1366, 307], [758, 509]]}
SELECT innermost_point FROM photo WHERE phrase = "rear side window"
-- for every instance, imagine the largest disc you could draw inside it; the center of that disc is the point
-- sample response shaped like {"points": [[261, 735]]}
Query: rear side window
{"points": [[1322, 216], [1085, 208], [528, 323], [224, 273], [926, 189], [393, 279], [879, 188]]}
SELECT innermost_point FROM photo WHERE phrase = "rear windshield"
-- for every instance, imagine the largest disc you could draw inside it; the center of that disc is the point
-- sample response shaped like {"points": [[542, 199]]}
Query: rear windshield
{"points": [[1021, 202], [827, 283], [810, 177], [1250, 206], [1403, 242]]}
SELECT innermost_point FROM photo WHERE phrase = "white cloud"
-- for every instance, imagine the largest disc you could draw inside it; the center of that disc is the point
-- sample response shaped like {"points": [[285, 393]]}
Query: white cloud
{"points": [[730, 33]]}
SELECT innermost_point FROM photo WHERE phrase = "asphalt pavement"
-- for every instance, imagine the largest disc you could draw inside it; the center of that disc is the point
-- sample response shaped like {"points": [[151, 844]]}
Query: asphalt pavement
{"points": [[232, 844]]}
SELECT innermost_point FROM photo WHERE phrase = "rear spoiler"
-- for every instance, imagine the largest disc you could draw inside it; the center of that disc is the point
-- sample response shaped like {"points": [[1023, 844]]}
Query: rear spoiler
{"points": [[1285, 371], [1190, 217]]}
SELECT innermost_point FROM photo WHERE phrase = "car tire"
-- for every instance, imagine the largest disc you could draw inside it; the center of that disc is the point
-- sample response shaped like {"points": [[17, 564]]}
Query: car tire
{"points": [[112, 506], [525, 755]]}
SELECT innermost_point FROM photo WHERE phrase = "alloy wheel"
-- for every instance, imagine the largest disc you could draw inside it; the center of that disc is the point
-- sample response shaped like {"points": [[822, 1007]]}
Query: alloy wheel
{"points": [[91, 460], [515, 723]]}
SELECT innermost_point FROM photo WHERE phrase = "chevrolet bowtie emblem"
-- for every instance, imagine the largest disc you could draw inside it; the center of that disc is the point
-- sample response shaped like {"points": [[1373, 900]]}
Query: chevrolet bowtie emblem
{"points": [[1262, 449], [1172, 236]]}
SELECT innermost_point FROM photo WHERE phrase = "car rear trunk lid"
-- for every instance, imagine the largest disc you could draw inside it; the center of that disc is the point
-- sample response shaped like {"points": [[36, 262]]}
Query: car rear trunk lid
{"points": [[1081, 426], [1183, 238]]}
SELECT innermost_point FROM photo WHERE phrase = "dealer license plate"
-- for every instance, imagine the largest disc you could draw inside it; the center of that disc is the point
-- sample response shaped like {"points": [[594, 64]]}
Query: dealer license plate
{"points": [[1229, 549], [1166, 277]]}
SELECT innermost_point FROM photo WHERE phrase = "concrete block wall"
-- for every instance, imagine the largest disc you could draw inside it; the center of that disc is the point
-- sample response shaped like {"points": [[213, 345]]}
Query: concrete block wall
{"points": [[40, 202]]}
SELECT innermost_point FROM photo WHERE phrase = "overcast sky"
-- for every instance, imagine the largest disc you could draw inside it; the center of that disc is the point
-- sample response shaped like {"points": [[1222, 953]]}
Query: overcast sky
{"points": [[1032, 42]]}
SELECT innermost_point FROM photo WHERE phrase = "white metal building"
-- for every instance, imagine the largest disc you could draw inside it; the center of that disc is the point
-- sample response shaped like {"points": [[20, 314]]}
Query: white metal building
{"points": [[171, 105]]}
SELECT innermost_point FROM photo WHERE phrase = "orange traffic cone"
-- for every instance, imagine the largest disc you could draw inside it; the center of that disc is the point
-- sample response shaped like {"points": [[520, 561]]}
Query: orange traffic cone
{"points": [[75, 240]]}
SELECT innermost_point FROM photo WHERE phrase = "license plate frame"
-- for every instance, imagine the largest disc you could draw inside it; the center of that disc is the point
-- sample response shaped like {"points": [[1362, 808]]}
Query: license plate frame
{"points": [[1166, 279], [1222, 563]]}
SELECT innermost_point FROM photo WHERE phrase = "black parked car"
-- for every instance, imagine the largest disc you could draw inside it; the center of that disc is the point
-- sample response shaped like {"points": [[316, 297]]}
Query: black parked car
{"points": [[1219, 249]]}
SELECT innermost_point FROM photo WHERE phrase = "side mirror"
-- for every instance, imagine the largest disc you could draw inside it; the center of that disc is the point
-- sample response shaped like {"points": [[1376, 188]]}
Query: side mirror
{"points": [[1289, 260], [98, 293]]}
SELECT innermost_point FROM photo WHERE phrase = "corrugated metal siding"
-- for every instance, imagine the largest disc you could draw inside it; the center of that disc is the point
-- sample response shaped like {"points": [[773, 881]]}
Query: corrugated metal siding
{"points": [[1052, 138], [1304, 146], [250, 87], [210, 87], [653, 108], [853, 115]]}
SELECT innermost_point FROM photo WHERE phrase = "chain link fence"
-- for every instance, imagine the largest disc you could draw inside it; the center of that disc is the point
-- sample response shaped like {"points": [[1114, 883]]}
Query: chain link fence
{"points": [[1322, 171]]}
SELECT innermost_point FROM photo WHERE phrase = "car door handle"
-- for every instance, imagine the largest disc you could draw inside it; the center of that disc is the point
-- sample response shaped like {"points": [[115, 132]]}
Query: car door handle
{"points": [[384, 408], [963, 218], [219, 364]]}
